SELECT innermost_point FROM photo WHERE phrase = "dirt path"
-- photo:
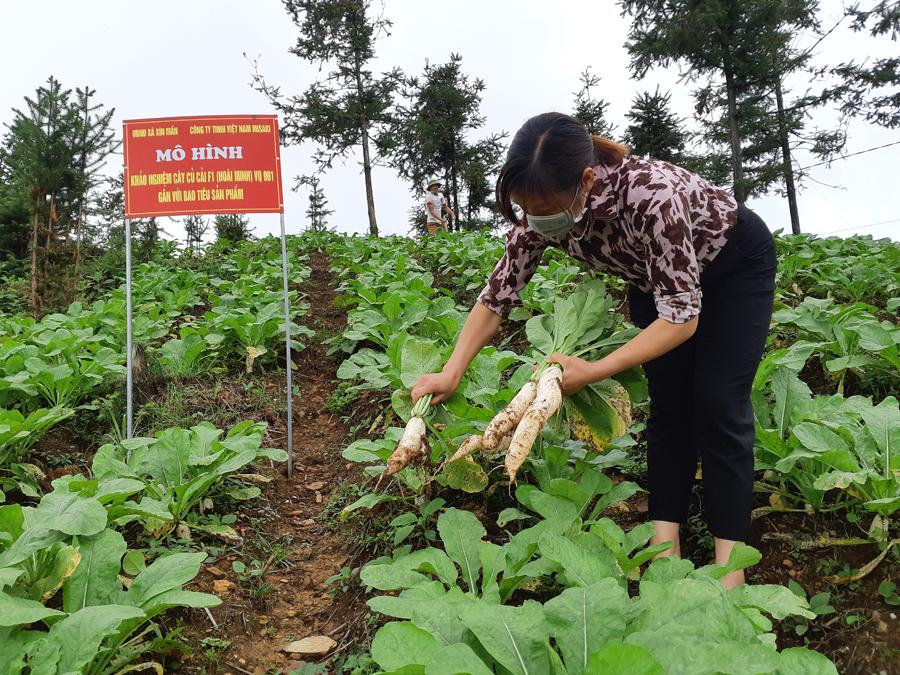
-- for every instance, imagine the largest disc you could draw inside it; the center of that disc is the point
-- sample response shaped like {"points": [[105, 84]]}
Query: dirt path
{"points": [[289, 601]]}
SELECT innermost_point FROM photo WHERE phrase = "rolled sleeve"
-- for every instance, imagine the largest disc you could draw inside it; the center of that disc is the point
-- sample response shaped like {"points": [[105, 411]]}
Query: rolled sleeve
{"points": [[671, 263], [524, 249]]}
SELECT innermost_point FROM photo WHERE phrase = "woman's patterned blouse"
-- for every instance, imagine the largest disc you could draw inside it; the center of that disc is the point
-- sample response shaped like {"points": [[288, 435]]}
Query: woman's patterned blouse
{"points": [[654, 224]]}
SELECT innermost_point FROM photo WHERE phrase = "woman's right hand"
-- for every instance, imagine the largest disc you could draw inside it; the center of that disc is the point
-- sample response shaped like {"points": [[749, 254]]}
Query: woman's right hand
{"points": [[441, 385]]}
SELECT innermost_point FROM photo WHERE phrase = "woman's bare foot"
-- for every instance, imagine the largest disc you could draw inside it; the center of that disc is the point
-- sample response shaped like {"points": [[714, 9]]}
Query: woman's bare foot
{"points": [[733, 579], [666, 531], [723, 552]]}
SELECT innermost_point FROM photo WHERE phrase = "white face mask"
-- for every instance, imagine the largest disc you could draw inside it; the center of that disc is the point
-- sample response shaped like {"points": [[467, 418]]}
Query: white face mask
{"points": [[556, 224]]}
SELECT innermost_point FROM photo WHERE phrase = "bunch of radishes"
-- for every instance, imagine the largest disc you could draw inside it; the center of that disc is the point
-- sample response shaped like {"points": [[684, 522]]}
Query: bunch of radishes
{"points": [[516, 427], [582, 324]]}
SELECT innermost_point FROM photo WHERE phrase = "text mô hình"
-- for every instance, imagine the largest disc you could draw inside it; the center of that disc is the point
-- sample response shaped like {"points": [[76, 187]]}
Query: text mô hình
{"points": [[207, 151]]}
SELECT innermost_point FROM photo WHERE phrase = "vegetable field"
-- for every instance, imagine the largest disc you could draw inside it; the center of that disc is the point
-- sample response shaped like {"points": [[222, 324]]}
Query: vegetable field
{"points": [[187, 549]]}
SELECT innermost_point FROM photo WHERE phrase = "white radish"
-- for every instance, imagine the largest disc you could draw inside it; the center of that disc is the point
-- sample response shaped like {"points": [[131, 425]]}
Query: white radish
{"points": [[475, 443], [411, 447], [546, 402], [467, 447], [505, 422]]}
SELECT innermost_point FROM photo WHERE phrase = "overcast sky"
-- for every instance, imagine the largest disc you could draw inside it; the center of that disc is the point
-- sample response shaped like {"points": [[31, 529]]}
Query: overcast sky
{"points": [[153, 59]]}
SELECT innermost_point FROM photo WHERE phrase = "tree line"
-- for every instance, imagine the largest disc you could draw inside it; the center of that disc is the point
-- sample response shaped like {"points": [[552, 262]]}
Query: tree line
{"points": [[58, 208]]}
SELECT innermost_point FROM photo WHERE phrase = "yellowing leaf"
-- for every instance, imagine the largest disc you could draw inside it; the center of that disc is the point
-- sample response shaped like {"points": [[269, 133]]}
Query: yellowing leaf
{"points": [[252, 354]]}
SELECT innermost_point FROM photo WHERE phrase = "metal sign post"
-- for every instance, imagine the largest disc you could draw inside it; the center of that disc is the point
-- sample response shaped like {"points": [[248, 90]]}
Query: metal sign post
{"points": [[129, 337], [288, 363]]}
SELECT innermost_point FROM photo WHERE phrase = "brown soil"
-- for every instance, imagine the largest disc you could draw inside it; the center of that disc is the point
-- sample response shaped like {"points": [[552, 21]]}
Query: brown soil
{"points": [[59, 453], [869, 643]]}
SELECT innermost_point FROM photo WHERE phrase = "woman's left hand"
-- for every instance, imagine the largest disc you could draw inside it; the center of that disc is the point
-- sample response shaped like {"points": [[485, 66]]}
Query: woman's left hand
{"points": [[577, 373]]}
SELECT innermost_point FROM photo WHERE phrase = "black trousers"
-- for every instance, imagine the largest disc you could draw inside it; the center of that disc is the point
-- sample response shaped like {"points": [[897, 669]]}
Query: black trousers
{"points": [[700, 391]]}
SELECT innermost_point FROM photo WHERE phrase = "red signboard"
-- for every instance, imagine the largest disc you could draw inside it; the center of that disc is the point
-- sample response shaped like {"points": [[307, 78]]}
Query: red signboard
{"points": [[177, 166]]}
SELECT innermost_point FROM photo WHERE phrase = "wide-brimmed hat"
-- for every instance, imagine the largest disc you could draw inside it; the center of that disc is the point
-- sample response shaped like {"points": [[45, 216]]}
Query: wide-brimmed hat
{"points": [[433, 181]]}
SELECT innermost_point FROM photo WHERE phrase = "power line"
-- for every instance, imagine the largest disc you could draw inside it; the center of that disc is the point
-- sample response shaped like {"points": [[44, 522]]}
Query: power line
{"points": [[852, 154], [860, 227]]}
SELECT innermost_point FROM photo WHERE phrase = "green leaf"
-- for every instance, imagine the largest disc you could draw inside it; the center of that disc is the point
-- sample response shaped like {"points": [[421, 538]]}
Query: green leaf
{"points": [[802, 661], [67, 512], [434, 561], [683, 654], [400, 644], [20, 611], [620, 492], [582, 618], [492, 561], [165, 574], [404, 571], [440, 617], [8, 576], [840, 479], [461, 533], [741, 557], [457, 659], [134, 562], [95, 581], [390, 577], [883, 423], [418, 357], [516, 637], [403, 605], [366, 502], [585, 560], [510, 514], [778, 601], [819, 438], [686, 609], [622, 659], [537, 329], [77, 638], [666, 569], [790, 396]]}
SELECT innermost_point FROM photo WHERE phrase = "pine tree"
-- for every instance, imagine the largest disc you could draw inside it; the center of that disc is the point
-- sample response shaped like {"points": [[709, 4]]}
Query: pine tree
{"points": [[95, 141], [195, 227], [106, 211], [349, 108], [317, 211], [655, 131], [870, 89], [40, 152], [589, 111], [742, 52], [232, 227], [431, 137]]}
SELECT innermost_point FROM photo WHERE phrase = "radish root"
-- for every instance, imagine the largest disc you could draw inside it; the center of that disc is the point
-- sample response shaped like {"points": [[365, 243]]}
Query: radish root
{"points": [[547, 401], [505, 422], [476, 442], [413, 443], [411, 447]]}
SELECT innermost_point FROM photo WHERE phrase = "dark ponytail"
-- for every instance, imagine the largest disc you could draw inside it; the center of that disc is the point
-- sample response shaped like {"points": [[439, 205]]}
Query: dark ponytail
{"points": [[547, 156]]}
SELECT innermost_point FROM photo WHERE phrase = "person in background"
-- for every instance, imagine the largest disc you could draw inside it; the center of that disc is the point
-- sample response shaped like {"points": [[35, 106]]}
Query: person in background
{"points": [[434, 205]]}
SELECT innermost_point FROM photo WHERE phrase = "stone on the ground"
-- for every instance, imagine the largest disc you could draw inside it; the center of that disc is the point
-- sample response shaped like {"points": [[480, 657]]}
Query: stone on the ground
{"points": [[317, 644]]}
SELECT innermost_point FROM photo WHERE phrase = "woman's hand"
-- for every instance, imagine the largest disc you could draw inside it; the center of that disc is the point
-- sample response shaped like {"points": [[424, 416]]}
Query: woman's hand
{"points": [[440, 385], [577, 373]]}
